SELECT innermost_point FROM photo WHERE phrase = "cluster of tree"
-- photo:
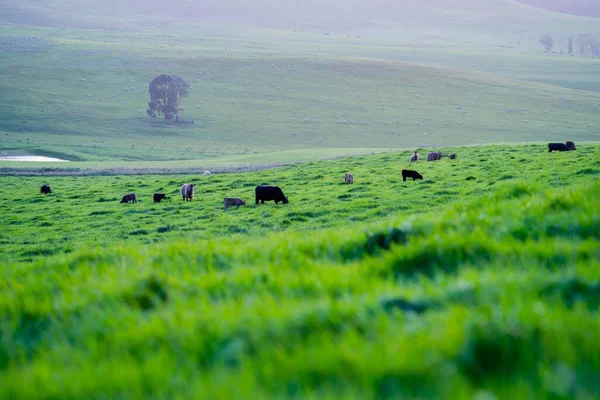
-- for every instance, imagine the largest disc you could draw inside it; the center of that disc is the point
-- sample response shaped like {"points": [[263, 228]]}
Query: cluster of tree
{"points": [[585, 43], [166, 92]]}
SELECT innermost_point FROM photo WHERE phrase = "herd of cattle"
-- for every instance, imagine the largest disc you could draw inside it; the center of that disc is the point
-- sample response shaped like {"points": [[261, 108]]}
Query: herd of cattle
{"points": [[274, 193]]}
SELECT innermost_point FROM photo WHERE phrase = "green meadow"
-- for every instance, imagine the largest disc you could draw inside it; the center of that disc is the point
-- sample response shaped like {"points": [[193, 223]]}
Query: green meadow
{"points": [[480, 280], [84, 212]]}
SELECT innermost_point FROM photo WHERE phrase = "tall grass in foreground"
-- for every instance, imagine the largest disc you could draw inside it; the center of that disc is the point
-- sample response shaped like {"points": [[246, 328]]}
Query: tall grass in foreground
{"points": [[492, 297]]}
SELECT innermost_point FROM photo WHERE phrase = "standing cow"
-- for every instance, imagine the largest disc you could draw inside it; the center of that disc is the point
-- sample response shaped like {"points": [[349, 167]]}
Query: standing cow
{"points": [[434, 156], [415, 157], [268, 193], [349, 178], [45, 189], [188, 191], [158, 197], [130, 197], [557, 147]]}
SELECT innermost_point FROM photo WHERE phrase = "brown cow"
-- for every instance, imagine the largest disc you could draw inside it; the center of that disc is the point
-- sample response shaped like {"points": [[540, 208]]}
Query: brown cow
{"points": [[415, 157], [232, 201], [434, 156], [349, 178], [188, 191]]}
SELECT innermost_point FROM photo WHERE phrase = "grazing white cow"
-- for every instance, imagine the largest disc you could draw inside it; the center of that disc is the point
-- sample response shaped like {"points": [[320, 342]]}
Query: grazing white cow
{"points": [[349, 178]]}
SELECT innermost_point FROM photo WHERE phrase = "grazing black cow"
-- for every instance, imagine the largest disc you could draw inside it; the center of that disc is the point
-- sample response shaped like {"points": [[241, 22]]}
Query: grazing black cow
{"points": [[158, 197], [268, 193], [570, 145], [45, 189], [130, 197], [232, 201], [453, 156], [407, 173], [557, 147]]}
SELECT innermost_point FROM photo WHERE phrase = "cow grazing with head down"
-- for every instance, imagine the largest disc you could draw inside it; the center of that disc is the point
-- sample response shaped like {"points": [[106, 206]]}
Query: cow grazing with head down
{"points": [[130, 197], [188, 191], [349, 178], [557, 147], [268, 193], [407, 173], [415, 157], [45, 189], [232, 201], [434, 156], [570, 145], [158, 197]]}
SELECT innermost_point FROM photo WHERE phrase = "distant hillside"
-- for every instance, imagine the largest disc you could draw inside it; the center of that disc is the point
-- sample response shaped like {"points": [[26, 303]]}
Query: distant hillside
{"points": [[587, 8], [303, 14]]}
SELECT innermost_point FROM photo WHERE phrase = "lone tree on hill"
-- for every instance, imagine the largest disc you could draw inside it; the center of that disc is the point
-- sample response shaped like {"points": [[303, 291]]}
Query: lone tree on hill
{"points": [[547, 42], [166, 92]]}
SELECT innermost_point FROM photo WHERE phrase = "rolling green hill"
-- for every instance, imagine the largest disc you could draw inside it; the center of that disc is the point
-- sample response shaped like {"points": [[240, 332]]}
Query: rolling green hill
{"points": [[82, 95], [422, 74]]}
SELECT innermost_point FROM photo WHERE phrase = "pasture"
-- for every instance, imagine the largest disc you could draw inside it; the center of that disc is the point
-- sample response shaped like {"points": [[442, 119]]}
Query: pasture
{"points": [[480, 281], [85, 211]]}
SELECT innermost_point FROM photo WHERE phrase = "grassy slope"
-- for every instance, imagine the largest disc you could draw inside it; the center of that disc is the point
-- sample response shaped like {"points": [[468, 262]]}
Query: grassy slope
{"points": [[496, 295], [85, 211], [476, 17], [85, 97]]}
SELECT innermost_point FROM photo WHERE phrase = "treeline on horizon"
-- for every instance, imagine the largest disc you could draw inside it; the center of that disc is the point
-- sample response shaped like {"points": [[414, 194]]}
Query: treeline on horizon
{"points": [[587, 8]]}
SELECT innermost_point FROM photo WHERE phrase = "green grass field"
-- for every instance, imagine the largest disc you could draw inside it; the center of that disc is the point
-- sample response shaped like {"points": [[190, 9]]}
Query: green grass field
{"points": [[85, 211], [481, 280]]}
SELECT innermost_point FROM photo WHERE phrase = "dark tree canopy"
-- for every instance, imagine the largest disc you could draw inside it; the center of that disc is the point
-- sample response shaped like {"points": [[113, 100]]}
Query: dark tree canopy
{"points": [[547, 42], [166, 92]]}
